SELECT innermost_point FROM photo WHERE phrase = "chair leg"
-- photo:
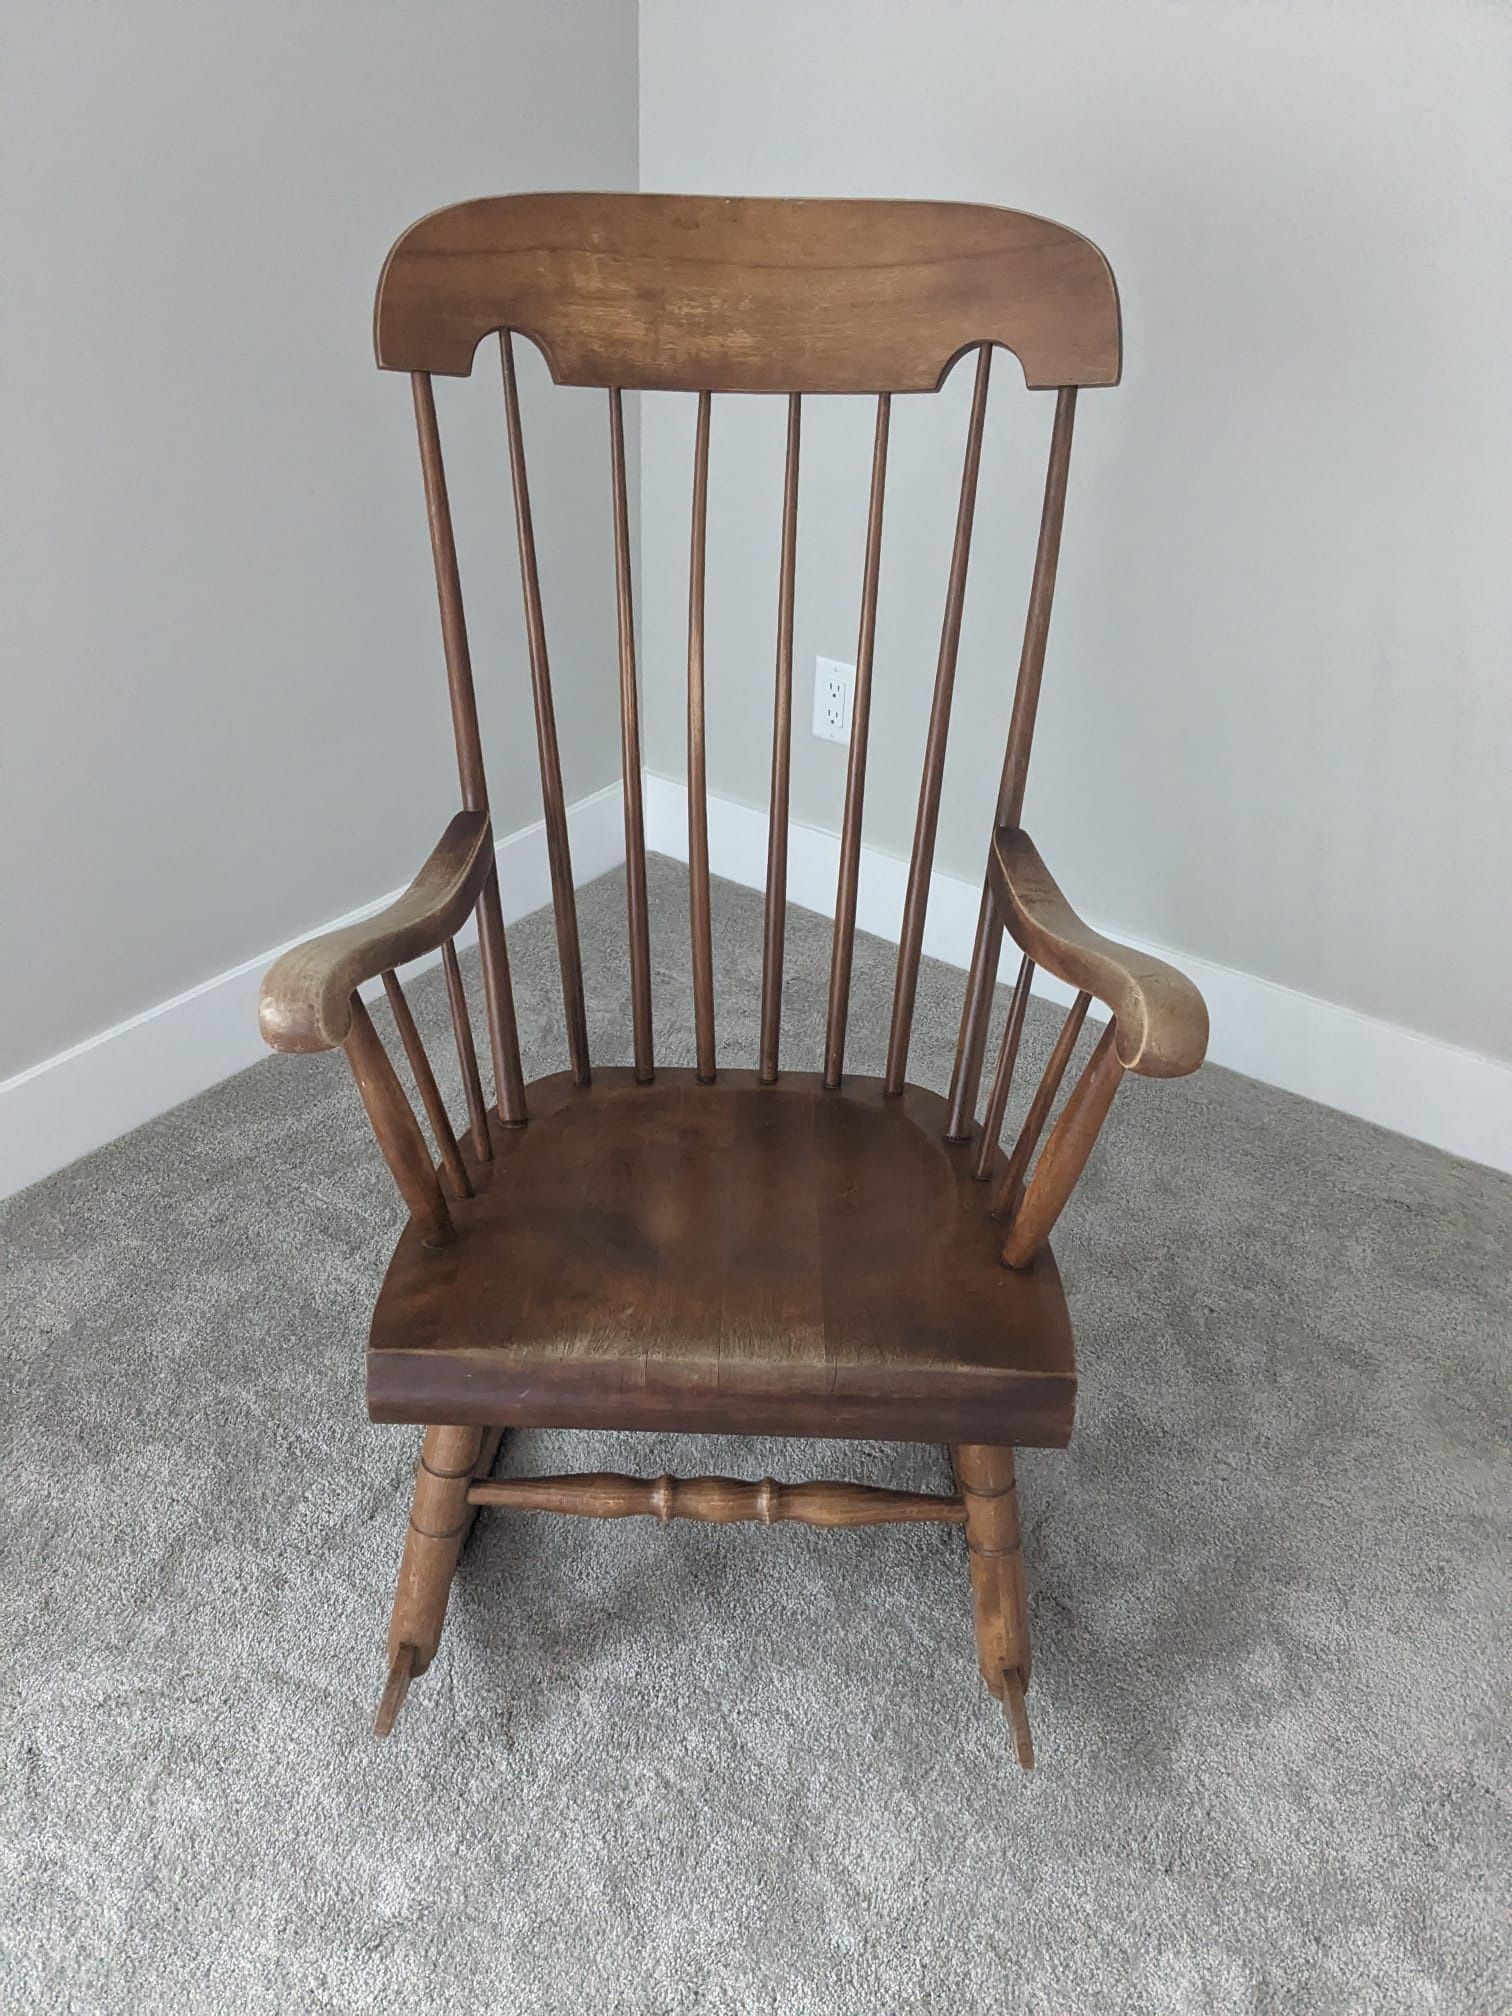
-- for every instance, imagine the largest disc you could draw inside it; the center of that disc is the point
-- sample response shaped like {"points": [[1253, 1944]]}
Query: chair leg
{"points": [[990, 1491], [439, 1523]]}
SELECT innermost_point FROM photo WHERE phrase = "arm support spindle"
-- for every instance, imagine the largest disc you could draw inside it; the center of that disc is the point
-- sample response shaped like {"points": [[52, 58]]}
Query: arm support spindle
{"points": [[397, 1129], [1071, 1142]]}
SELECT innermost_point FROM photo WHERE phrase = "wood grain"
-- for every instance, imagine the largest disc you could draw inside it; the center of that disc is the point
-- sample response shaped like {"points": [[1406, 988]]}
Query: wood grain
{"points": [[306, 999], [553, 797], [989, 933], [1066, 1153], [843, 947], [732, 1258], [748, 294], [718, 1501], [989, 1490], [630, 754], [774, 917], [1161, 1018], [701, 922], [426, 1086], [397, 1132], [747, 1252], [926, 824], [1010, 1178], [467, 1053], [1002, 1082]]}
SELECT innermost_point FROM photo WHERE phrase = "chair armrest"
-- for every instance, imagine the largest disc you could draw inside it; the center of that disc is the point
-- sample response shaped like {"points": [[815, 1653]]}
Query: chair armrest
{"points": [[306, 1001], [1161, 1021]]}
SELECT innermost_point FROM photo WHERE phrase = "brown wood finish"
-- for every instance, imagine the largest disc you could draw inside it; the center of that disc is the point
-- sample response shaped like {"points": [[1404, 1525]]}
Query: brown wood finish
{"points": [[498, 1004], [553, 798], [439, 1523], [1161, 1019], [989, 932], [483, 1468], [766, 1259], [989, 1489], [306, 998], [1002, 1083], [467, 1053], [921, 861], [1071, 1142], [1037, 624], [426, 1086], [748, 294], [498, 989], [765, 1250], [718, 1501], [775, 917], [844, 946], [459, 672], [700, 913], [1010, 1179], [397, 1130], [630, 755]]}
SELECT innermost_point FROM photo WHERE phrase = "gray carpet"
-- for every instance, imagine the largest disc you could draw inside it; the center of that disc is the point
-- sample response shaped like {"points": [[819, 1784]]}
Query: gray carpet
{"points": [[738, 1770]]}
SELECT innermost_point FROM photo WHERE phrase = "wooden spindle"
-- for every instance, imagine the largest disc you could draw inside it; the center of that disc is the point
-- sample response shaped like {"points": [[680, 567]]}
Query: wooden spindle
{"points": [[498, 1006], [1010, 800], [775, 923], [509, 1085], [459, 674], [844, 943], [976, 1008], [701, 913], [1002, 1082], [921, 862], [429, 1090], [630, 758], [1066, 1153], [1041, 601], [397, 1129], [1005, 1196], [718, 1501], [467, 1055], [558, 848]]}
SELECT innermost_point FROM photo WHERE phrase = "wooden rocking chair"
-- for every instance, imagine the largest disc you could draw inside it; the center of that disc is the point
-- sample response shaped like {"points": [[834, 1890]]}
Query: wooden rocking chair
{"points": [[717, 1250]]}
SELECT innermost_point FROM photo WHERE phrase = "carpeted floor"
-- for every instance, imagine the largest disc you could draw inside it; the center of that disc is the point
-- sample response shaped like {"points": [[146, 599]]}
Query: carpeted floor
{"points": [[738, 1770]]}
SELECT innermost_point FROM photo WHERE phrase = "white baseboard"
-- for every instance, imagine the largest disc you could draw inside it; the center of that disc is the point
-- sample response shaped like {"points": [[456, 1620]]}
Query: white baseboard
{"points": [[74, 1102], [1454, 1099], [83, 1097]]}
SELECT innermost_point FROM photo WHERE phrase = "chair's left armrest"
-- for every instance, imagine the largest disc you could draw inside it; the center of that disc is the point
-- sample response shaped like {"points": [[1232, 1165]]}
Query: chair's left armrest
{"points": [[1161, 1021], [306, 1001]]}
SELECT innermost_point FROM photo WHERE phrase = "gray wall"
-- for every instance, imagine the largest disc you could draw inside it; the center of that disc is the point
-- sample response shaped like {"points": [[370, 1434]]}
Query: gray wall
{"points": [[224, 715], [1278, 718]]}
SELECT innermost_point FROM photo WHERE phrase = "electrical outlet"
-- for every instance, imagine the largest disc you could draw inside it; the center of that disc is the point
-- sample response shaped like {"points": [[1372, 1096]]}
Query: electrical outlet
{"points": [[834, 699]]}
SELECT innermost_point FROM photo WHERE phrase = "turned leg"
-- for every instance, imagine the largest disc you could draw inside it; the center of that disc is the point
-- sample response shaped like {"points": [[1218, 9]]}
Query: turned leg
{"points": [[439, 1523], [990, 1491]]}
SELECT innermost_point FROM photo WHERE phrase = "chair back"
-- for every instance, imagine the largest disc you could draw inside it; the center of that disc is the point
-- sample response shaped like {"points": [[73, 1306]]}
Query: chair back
{"points": [[713, 296]]}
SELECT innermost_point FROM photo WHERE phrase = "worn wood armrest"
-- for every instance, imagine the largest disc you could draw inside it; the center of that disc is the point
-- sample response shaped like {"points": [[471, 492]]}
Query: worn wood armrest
{"points": [[1161, 1021], [306, 1001]]}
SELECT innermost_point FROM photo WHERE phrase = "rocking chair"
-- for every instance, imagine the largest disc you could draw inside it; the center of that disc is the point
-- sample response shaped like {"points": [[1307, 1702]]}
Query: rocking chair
{"points": [[732, 1250]]}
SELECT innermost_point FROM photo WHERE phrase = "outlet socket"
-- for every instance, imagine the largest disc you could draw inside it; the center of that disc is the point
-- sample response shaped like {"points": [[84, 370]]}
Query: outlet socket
{"points": [[834, 699]]}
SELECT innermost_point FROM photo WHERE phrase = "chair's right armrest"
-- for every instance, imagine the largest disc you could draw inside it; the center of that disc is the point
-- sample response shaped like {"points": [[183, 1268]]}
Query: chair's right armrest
{"points": [[306, 1001], [1162, 1021]]}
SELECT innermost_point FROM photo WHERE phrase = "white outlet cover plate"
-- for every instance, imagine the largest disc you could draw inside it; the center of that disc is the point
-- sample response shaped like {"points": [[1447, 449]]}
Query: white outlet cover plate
{"points": [[834, 699]]}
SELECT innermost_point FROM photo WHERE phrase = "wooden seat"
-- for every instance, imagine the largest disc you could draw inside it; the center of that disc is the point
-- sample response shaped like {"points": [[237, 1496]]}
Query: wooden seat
{"points": [[756, 1249], [735, 1258]]}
